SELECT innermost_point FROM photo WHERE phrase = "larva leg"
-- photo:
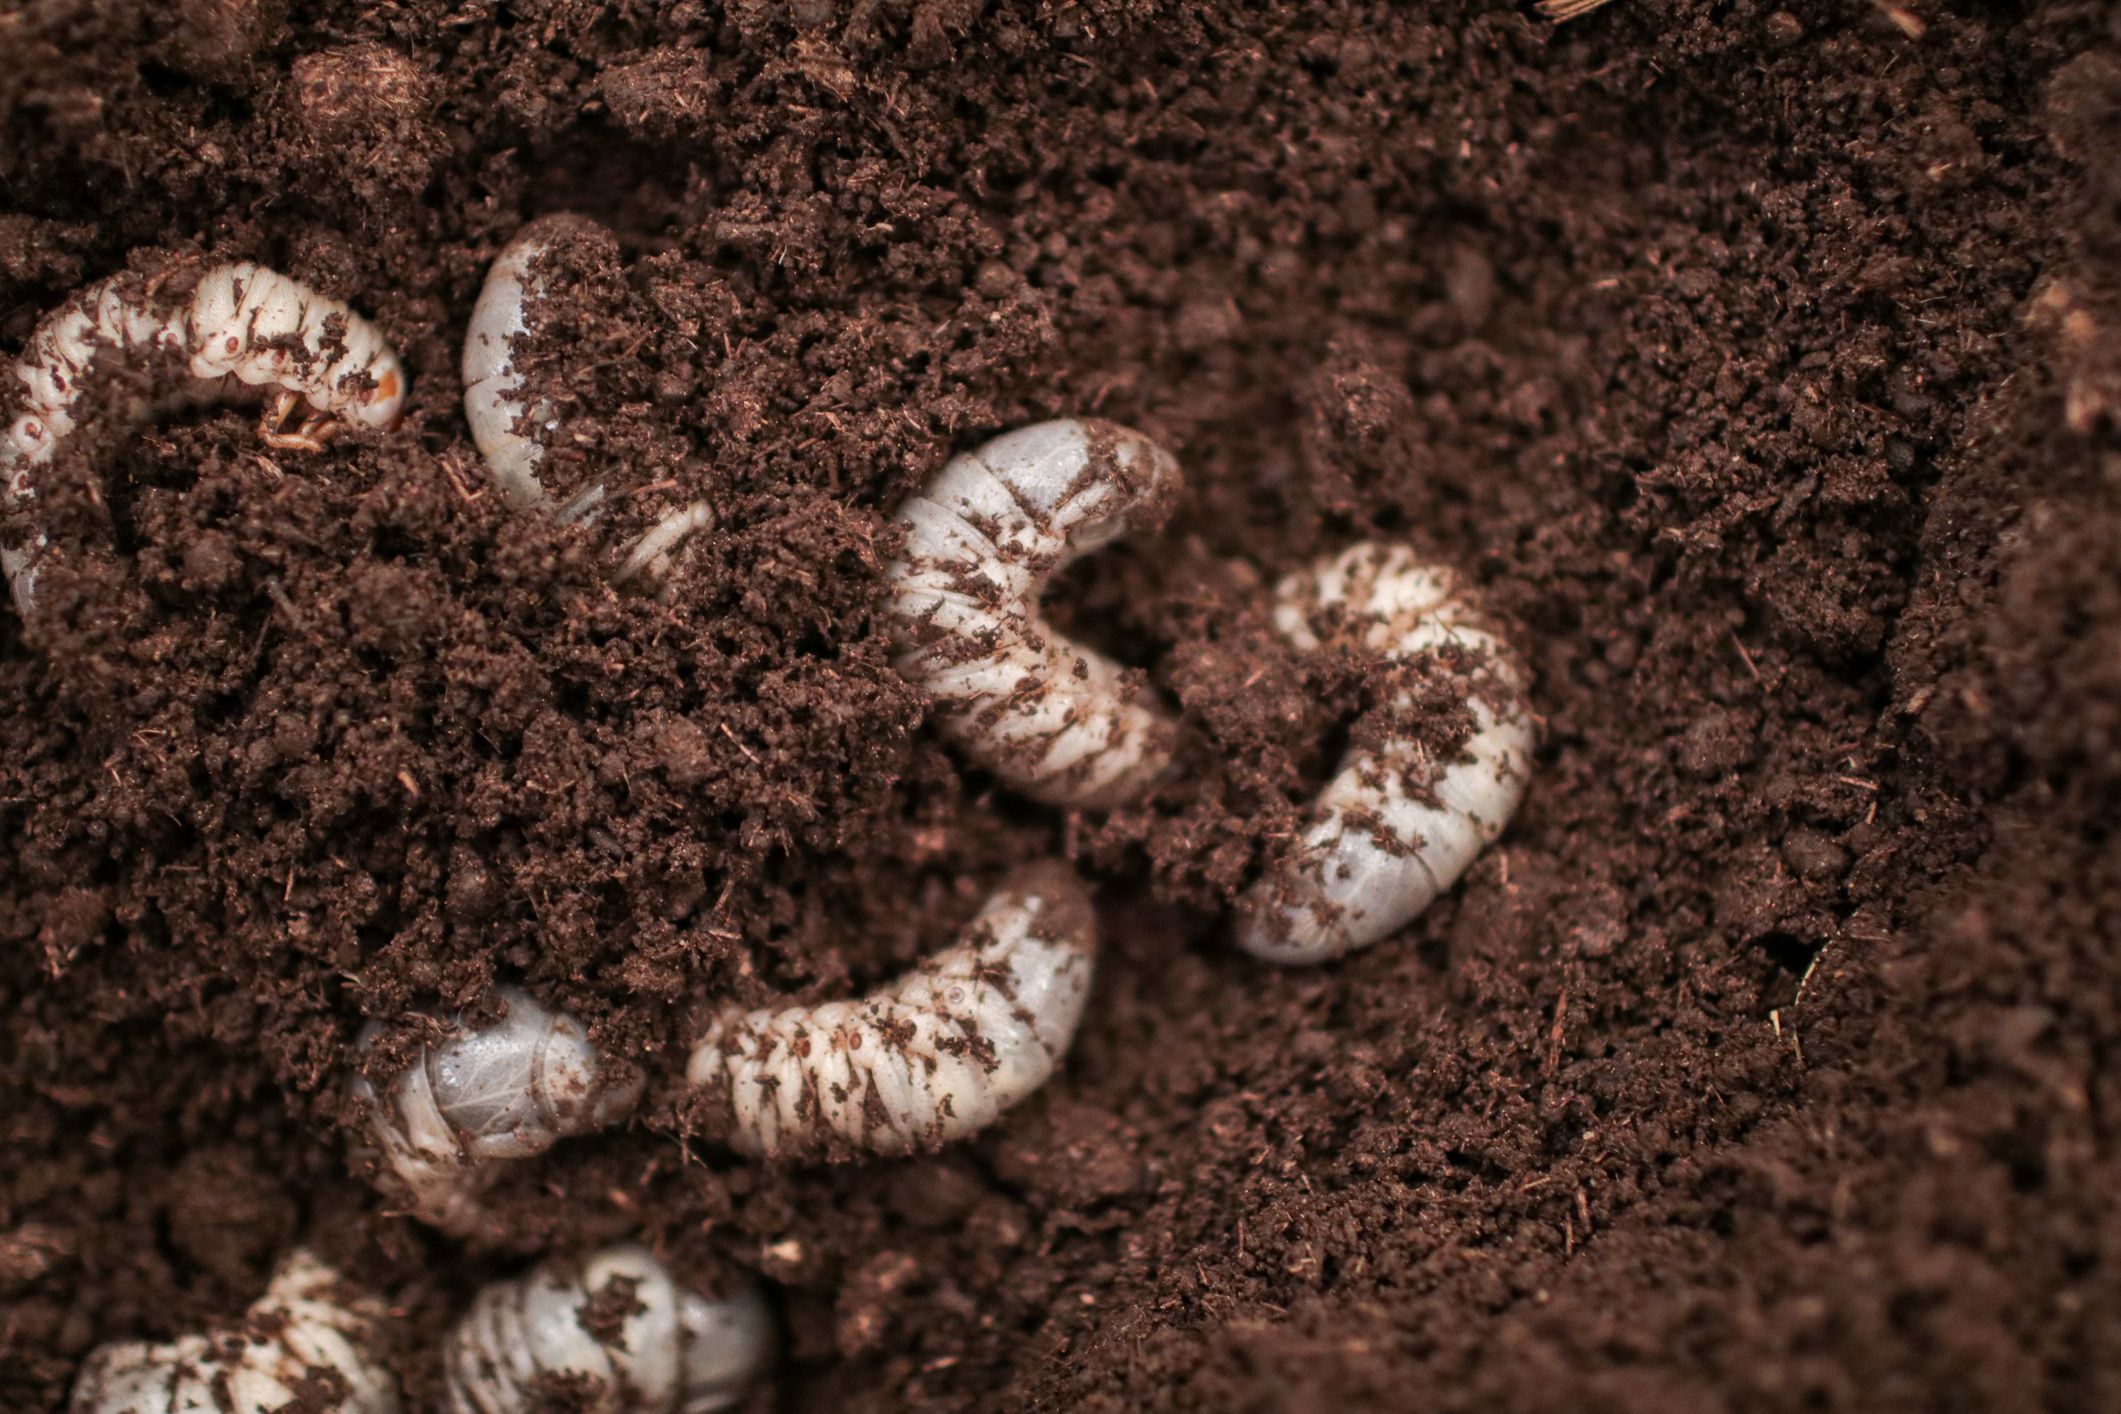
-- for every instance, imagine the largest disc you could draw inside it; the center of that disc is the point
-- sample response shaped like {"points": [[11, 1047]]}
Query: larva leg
{"points": [[1394, 828], [308, 1332], [675, 1351], [1051, 718], [510, 431], [508, 1091], [308, 436], [235, 327], [932, 1057]]}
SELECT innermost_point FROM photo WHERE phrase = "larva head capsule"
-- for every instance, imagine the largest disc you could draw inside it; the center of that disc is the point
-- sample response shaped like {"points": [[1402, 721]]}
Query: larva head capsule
{"points": [[508, 1091], [383, 404], [674, 1352]]}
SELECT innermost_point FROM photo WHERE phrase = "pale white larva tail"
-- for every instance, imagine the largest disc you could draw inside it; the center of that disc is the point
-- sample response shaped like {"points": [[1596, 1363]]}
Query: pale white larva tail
{"points": [[937, 1054], [510, 434], [1051, 718], [305, 1344], [241, 327], [508, 1091], [1394, 828], [655, 1348]]}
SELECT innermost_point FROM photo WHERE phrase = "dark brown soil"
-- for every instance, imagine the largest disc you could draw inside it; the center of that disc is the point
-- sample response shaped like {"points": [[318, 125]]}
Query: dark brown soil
{"points": [[1763, 365]]}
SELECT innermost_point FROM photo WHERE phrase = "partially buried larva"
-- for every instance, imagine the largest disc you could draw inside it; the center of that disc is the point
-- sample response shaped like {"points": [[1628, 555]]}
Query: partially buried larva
{"points": [[656, 1348], [1049, 717], [511, 434], [239, 327], [935, 1055], [1396, 827], [507, 1091], [303, 1345]]}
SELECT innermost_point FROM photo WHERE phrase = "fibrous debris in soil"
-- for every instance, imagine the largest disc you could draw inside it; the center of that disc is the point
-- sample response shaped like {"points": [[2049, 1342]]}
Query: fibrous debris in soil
{"points": [[1756, 362]]}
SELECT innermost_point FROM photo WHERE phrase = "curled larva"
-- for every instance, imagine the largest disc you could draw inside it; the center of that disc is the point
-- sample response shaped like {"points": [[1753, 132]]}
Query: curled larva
{"points": [[1048, 716], [509, 1091], [937, 1054], [1394, 828], [672, 1352], [510, 435], [302, 1345], [241, 327]]}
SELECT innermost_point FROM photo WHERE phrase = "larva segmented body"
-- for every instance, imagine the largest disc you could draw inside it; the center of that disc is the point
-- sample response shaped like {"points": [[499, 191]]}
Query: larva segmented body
{"points": [[1051, 718], [1391, 831], [937, 1054], [493, 405], [302, 1343], [241, 327], [675, 1352], [509, 1091]]}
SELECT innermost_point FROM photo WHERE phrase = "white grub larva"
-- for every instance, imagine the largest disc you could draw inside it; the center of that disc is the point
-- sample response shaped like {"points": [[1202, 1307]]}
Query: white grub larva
{"points": [[241, 327], [508, 1091], [302, 1345], [493, 388], [510, 435], [1049, 717], [1395, 828], [937, 1054], [617, 1330]]}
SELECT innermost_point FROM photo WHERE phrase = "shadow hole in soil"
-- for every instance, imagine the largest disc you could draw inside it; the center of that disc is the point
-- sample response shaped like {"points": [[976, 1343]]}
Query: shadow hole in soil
{"points": [[1090, 601], [1477, 1167], [1789, 958], [627, 183]]}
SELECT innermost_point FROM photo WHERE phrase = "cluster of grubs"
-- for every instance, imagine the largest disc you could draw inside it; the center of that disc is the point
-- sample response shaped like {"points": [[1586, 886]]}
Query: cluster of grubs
{"points": [[930, 1057]]}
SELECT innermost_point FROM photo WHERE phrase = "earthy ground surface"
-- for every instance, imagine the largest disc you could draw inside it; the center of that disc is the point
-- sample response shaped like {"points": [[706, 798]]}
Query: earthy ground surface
{"points": [[1763, 364]]}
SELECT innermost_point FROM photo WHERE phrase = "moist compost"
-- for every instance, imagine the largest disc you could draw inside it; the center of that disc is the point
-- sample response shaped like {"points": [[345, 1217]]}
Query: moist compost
{"points": [[1760, 364]]}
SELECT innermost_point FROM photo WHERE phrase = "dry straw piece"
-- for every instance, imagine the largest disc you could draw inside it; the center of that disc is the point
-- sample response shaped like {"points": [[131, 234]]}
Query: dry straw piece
{"points": [[1395, 828], [242, 327], [934, 1056], [1562, 11]]}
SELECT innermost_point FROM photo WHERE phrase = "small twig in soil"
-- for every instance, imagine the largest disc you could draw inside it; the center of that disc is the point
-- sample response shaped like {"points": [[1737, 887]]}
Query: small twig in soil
{"points": [[1905, 20]]}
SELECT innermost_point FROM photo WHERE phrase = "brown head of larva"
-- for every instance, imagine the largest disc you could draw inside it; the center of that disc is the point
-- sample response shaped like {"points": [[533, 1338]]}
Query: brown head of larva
{"points": [[386, 399]]}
